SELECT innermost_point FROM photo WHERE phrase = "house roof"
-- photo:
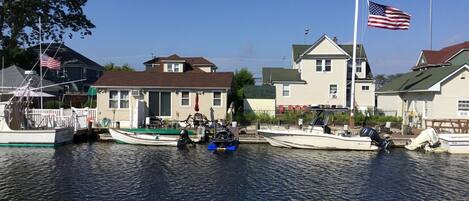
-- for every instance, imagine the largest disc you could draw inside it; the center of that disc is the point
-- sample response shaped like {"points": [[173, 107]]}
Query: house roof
{"points": [[418, 80], [189, 60], [15, 75], [270, 75], [361, 54], [67, 56], [165, 80], [440, 57], [259, 92], [298, 50]]}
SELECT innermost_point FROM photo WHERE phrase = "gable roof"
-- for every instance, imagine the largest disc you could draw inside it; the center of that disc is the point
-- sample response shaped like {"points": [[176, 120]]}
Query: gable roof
{"points": [[259, 92], [150, 79], [440, 57], [300, 50], [270, 75], [15, 75], [419, 80], [189, 60], [67, 56]]}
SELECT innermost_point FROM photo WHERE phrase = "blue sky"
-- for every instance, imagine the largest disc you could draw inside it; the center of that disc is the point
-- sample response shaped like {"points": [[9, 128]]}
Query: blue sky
{"points": [[259, 33]]}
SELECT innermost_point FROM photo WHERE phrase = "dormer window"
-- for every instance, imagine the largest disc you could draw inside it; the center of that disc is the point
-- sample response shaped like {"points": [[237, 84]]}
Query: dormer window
{"points": [[173, 67]]}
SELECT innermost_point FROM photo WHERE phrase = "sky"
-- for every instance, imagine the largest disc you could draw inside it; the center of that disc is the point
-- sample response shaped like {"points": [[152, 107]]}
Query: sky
{"points": [[259, 33]]}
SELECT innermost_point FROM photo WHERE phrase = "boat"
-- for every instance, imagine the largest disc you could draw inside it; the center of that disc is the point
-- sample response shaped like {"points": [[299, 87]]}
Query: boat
{"points": [[157, 137], [224, 140], [319, 136], [16, 129], [429, 140]]}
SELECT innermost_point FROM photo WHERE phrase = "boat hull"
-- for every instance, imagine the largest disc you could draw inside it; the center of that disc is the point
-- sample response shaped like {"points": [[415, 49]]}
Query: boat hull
{"points": [[142, 139], [316, 140], [51, 137], [455, 143]]}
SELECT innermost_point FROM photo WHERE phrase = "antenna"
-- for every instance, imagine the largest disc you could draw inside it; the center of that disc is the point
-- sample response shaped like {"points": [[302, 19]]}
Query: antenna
{"points": [[306, 34]]}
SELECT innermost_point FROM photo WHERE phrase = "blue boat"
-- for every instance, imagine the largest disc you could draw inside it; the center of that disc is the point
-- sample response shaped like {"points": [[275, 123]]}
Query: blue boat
{"points": [[224, 140]]}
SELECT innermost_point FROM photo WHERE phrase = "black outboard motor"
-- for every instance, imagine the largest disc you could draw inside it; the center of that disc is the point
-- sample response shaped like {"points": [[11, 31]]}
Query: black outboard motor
{"points": [[184, 139], [374, 136]]}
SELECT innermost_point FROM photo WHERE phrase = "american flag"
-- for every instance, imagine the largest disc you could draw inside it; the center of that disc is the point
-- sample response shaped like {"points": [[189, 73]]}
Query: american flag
{"points": [[50, 62], [387, 17]]}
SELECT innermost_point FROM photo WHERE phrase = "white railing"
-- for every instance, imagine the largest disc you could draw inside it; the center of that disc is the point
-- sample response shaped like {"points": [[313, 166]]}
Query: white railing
{"points": [[76, 118]]}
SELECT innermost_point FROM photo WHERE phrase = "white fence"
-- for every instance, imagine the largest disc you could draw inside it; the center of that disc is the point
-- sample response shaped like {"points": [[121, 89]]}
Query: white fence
{"points": [[77, 118]]}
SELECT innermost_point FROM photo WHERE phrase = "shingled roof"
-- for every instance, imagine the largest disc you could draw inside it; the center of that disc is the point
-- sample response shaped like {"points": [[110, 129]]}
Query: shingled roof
{"points": [[298, 50], [270, 75], [15, 76], [418, 80], [67, 56], [440, 57], [165, 80]]}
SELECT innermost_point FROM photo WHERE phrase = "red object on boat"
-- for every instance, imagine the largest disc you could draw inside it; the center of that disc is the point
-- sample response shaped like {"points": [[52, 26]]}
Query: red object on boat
{"points": [[196, 107]]}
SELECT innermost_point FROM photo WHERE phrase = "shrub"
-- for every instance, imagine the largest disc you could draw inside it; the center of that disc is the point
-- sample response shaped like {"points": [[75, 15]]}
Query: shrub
{"points": [[52, 104]]}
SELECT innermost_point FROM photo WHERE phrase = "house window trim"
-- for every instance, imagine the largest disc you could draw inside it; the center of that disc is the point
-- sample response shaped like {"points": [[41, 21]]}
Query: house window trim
{"points": [[289, 90], [180, 66], [336, 91], [180, 102], [118, 100], [221, 99], [323, 66], [365, 86]]}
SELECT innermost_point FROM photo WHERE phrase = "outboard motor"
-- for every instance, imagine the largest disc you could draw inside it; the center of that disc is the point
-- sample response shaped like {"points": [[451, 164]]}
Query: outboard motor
{"points": [[374, 136], [184, 138]]}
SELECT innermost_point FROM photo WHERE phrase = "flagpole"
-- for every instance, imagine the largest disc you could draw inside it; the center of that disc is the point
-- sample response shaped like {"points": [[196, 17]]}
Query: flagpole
{"points": [[40, 59], [431, 5], [354, 65]]}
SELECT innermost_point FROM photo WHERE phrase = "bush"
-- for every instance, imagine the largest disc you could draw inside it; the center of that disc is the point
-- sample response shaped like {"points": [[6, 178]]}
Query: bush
{"points": [[90, 103], [52, 104]]}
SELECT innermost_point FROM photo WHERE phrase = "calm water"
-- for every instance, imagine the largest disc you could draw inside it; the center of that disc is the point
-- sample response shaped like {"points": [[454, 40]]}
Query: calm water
{"points": [[108, 171]]}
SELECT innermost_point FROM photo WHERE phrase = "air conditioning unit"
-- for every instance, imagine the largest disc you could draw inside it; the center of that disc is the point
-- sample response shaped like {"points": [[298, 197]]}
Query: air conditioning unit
{"points": [[135, 92], [333, 95], [463, 113]]}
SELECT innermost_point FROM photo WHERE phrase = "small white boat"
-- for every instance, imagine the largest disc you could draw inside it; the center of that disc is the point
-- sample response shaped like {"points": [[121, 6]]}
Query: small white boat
{"points": [[318, 136], [429, 140], [142, 138]]}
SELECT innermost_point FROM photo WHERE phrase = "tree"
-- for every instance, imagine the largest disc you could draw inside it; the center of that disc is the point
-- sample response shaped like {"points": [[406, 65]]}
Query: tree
{"points": [[19, 21], [241, 78], [113, 67]]}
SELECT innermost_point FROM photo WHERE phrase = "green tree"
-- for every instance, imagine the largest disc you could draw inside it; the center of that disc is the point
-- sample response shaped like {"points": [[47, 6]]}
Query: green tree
{"points": [[242, 77], [19, 21], [113, 67]]}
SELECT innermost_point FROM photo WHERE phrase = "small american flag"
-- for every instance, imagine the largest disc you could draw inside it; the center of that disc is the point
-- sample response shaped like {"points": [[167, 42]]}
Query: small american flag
{"points": [[387, 17], [50, 62]]}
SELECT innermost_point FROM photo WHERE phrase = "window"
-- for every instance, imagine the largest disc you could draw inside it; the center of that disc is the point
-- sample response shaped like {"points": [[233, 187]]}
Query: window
{"points": [[323, 65], [333, 91], [463, 108], [119, 99], [318, 65], [365, 88], [159, 104], [359, 68], [328, 65], [216, 98], [185, 98], [173, 67], [286, 90]]}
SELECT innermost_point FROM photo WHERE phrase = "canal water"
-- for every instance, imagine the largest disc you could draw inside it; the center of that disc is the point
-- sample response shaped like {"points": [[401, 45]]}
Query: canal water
{"points": [[108, 171]]}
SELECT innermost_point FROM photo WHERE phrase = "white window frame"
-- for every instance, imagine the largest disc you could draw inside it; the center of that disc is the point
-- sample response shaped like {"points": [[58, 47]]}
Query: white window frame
{"points": [[336, 91], [119, 99], [367, 86], [188, 99], [283, 90], [170, 67], [323, 65], [221, 99], [465, 111]]}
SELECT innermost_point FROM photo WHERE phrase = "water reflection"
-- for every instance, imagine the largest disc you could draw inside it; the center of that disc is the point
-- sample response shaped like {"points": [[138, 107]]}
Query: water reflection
{"points": [[108, 171]]}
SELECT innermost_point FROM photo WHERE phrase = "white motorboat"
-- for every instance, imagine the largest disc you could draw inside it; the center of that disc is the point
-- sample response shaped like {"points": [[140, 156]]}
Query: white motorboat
{"points": [[429, 140], [318, 136], [15, 129]]}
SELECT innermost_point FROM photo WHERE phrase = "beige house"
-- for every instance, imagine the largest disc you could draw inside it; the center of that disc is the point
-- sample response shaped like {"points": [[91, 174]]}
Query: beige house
{"points": [[434, 89], [321, 75], [167, 89], [259, 99]]}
